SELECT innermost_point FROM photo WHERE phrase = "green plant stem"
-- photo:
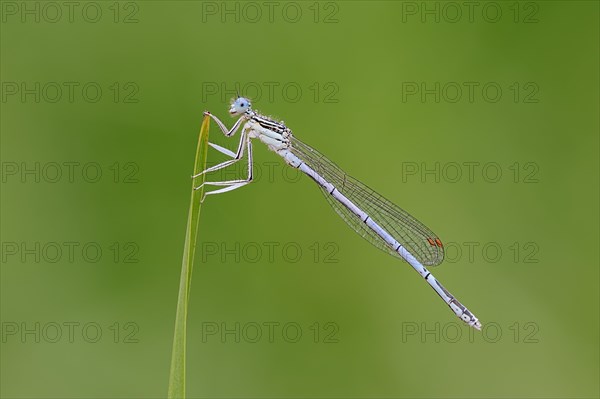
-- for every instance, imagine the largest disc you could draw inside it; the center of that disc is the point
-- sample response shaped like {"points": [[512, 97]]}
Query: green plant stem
{"points": [[177, 373]]}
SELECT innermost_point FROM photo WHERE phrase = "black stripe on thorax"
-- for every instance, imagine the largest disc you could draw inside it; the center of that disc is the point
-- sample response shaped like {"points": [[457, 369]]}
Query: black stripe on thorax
{"points": [[269, 124]]}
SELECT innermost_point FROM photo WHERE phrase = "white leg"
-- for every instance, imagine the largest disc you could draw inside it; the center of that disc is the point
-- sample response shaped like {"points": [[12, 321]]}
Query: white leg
{"points": [[236, 157], [222, 150], [222, 126], [232, 184], [223, 190]]}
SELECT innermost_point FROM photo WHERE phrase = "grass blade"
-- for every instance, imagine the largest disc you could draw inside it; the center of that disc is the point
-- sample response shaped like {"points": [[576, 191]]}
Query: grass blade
{"points": [[177, 374]]}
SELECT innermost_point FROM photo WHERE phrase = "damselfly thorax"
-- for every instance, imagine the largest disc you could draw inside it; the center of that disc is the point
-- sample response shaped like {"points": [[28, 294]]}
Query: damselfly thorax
{"points": [[274, 134]]}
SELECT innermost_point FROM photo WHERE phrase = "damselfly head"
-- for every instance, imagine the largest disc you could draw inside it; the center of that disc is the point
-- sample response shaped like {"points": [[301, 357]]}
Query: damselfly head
{"points": [[239, 106]]}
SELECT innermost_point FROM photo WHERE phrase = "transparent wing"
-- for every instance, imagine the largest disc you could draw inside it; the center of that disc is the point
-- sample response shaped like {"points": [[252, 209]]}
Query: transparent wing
{"points": [[408, 231]]}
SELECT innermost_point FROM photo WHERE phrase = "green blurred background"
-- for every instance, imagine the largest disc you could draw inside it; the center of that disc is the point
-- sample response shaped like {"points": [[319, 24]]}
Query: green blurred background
{"points": [[347, 78]]}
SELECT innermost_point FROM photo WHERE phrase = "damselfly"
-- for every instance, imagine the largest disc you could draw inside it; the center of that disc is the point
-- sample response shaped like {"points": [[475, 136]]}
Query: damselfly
{"points": [[379, 221]]}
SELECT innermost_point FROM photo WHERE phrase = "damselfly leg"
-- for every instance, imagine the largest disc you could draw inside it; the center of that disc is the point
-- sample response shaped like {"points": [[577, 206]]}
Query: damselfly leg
{"points": [[230, 185]]}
